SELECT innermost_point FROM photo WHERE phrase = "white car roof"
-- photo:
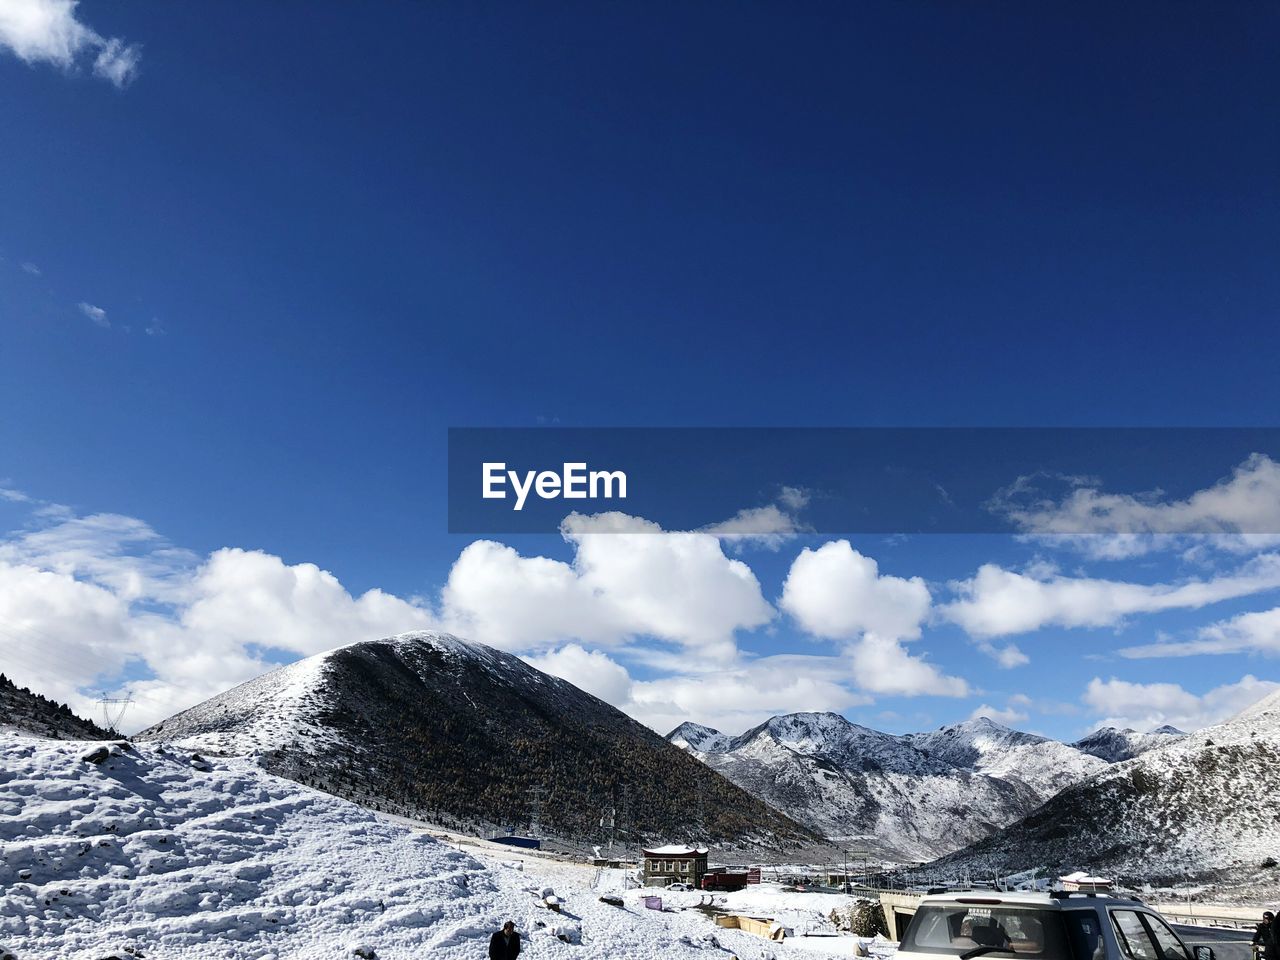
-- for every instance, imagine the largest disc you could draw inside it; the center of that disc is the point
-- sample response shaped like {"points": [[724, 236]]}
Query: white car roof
{"points": [[1019, 898]]}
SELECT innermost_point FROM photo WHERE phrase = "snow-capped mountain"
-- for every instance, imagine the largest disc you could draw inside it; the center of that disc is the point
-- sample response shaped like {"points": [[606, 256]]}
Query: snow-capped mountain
{"points": [[23, 711], [694, 736], [903, 797], [983, 746], [1114, 745], [455, 732], [1201, 804]]}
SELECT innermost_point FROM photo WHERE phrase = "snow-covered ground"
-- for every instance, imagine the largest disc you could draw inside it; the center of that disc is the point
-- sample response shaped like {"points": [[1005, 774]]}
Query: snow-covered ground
{"points": [[151, 853]]}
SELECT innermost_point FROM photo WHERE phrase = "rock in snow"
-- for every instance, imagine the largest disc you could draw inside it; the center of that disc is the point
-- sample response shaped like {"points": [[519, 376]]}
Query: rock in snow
{"points": [[144, 855]]}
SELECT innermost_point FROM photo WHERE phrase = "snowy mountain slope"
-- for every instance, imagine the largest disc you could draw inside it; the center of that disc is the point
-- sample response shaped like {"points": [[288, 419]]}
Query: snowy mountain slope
{"points": [[906, 797], [23, 711], [454, 732], [986, 747], [1114, 745], [151, 853], [1203, 804]]}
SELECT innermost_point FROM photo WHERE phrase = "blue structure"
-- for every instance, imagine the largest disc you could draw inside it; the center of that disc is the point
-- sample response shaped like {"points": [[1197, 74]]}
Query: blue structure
{"points": [[528, 843]]}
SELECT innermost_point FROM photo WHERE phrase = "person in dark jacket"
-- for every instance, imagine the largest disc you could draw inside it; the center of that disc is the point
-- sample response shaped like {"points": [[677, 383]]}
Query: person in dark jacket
{"points": [[1264, 935], [505, 944]]}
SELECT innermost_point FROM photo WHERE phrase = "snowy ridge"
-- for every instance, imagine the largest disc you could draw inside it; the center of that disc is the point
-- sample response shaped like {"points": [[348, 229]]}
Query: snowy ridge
{"points": [[152, 853], [263, 714], [910, 797], [1201, 804], [1114, 745]]}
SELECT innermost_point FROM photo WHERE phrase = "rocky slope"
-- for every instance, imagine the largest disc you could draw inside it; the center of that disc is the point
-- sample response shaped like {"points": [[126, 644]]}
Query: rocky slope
{"points": [[458, 733], [909, 797], [1201, 805], [23, 711]]}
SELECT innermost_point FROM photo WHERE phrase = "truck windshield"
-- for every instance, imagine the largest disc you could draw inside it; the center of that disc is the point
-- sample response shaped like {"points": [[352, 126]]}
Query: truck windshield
{"points": [[968, 930]]}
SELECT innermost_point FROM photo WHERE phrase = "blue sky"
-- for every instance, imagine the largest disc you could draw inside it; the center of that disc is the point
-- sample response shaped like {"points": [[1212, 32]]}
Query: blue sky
{"points": [[254, 268]]}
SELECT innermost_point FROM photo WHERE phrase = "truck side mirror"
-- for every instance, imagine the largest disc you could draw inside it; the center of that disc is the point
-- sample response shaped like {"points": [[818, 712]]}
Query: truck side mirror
{"points": [[1204, 953]]}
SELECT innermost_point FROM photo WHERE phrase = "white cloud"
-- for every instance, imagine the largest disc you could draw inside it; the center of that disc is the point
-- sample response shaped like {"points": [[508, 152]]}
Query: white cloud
{"points": [[883, 665], [589, 670], [1256, 632], [1008, 656], [769, 526], [794, 498], [741, 696], [999, 602], [31, 268], [1238, 513], [1144, 706], [96, 314], [837, 593], [83, 600], [1009, 716], [48, 31], [628, 578]]}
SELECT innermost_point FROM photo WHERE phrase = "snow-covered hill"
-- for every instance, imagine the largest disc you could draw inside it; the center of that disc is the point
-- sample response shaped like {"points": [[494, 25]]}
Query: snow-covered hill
{"points": [[905, 797], [153, 853], [1114, 745], [24, 711], [454, 732], [1202, 804]]}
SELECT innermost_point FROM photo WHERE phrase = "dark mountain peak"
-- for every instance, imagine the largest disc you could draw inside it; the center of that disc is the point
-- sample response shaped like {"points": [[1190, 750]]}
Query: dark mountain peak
{"points": [[1167, 731], [450, 731]]}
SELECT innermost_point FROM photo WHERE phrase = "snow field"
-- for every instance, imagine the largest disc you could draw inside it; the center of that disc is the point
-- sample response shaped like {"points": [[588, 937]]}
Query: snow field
{"points": [[151, 853]]}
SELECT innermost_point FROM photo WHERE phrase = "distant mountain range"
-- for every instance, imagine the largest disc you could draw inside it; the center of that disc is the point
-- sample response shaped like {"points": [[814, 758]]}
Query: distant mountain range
{"points": [[454, 732], [1201, 805], [28, 712], [904, 797]]}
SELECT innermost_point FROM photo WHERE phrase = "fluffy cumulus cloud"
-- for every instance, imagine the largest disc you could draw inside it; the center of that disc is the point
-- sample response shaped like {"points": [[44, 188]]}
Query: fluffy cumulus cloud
{"points": [[628, 578], [1145, 706], [998, 602], [87, 601], [50, 31], [589, 670], [837, 593]]}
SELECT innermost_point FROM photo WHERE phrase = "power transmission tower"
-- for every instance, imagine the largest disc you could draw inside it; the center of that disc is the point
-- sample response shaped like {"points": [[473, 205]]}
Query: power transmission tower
{"points": [[536, 794], [113, 710]]}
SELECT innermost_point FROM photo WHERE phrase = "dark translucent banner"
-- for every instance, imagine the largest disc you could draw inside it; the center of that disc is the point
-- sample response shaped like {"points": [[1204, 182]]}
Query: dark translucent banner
{"points": [[870, 480]]}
